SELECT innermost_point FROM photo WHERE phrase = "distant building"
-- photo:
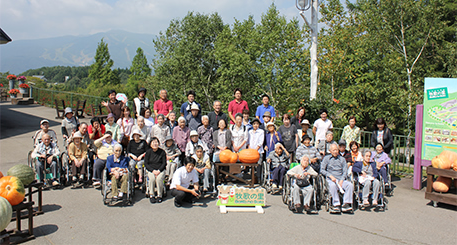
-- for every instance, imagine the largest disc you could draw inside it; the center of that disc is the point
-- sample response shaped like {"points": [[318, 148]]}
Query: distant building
{"points": [[4, 38], [41, 77]]}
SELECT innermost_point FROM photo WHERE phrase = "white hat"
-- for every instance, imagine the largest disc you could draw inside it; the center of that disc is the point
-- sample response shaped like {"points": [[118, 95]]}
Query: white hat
{"points": [[194, 106], [305, 121], [193, 133], [270, 124], [78, 135], [44, 121], [68, 110], [136, 131]]}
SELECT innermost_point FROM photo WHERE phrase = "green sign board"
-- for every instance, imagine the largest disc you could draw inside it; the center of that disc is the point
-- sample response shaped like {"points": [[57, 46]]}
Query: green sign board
{"points": [[240, 196], [440, 117]]}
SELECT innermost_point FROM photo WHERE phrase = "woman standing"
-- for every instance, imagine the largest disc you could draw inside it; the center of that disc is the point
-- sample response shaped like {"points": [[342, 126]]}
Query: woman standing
{"points": [[351, 132], [289, 135], [383, 135], [297, 119], [222, 139], [126, 123], [155, 163]]}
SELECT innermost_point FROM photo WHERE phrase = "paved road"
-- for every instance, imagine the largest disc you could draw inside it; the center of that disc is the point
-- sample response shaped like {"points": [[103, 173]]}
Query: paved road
{"points": [[79, 216]]}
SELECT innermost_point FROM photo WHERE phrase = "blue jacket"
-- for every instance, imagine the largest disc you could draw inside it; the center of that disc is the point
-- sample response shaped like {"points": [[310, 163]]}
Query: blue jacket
{"points": [[357, 168], [123, 163]]}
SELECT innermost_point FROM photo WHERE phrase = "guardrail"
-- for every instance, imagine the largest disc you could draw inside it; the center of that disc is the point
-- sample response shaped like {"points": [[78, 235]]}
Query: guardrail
{"points": [[402, 158]]}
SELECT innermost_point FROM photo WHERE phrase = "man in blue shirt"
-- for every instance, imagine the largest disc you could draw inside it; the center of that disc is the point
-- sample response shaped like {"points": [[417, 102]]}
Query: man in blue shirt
{"points": [[335, 169], [261, 109], [186, 106]]}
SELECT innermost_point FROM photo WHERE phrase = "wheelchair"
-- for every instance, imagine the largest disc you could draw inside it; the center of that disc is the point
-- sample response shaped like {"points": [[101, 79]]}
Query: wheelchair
{"points": [[267, 178], [212, 179], [145, 185], [106, 188], [48, 175], [289, 182], [382, 200], [387, 187], [325, 199]]}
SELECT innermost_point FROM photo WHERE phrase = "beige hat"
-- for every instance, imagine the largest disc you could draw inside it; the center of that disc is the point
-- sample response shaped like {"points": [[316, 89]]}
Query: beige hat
{"points": [[267, 114], [193, 133], [136, 131], [77, 135], [194, 106]]}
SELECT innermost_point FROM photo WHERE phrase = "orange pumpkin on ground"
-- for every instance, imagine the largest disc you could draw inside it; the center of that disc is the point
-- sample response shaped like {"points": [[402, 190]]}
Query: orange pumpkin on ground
{"points": [[249, 156], [12, 189], [227, 156], [441, 162], [442, 184]]}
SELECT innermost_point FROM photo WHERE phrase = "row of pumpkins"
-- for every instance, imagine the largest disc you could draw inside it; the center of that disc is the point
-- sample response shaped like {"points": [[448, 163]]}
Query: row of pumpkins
{"points": [[12, 191], [245, 156], [445, 160]]}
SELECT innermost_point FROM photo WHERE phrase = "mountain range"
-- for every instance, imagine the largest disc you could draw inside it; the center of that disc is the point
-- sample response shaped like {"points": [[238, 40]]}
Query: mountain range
{"points": [[21, 55]]}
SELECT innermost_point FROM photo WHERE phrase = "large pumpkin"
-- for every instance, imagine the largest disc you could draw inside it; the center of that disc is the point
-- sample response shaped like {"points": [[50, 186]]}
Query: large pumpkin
{"points": [[227, 156], [249, 156], [442, 184], [23, 172], [441, 162], [452, 156], [6, 212], [12, 189]]}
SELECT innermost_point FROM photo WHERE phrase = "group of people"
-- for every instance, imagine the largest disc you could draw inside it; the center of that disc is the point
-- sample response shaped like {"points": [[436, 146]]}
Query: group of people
{"points": [[163, 149]]}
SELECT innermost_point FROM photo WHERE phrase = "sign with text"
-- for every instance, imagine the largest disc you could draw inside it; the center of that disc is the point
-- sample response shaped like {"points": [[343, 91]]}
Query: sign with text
{"points": [[240, 196], [440, 116]]}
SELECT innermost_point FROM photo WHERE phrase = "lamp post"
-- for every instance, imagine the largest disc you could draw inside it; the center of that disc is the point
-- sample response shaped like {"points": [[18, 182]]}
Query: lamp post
{"points": [[304, 5]]}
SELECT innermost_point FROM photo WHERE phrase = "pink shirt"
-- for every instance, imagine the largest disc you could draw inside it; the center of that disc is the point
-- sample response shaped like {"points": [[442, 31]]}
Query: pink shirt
{"points": [[237, 107], [163, 106]]}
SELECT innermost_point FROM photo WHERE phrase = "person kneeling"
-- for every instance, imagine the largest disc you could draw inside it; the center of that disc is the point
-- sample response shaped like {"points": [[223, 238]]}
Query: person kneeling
{"points": [[182, 179], [203, 166], [368, 175], [117, 165], [302, 183]]}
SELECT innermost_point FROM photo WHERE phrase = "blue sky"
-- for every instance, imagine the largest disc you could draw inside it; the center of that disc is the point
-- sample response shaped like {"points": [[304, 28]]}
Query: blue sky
{"points": [[33, 19]]}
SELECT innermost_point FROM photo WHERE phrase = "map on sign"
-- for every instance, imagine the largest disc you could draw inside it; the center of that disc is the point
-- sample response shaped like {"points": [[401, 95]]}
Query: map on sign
{"points": [[440, 116]]}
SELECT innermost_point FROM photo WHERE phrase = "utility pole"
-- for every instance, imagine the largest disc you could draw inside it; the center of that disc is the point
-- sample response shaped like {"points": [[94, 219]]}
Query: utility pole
{"points": [[304, 5]]}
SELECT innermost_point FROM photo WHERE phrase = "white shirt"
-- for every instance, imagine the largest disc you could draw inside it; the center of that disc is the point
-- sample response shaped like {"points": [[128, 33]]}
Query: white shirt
{"points": [[183, 178], [321, 128], [256, 139], [238, 136], [149, 122]]}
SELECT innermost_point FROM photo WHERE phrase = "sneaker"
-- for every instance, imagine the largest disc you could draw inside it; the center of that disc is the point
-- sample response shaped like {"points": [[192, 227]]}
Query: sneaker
{"points": [[55, 183], [96, 183], [74, 178], [306, 208], [346, 207], [274, 186], [375, 203], [81, 177], [280, 187], [178, 205], [366, 203], [159, 200], [335, 209]]}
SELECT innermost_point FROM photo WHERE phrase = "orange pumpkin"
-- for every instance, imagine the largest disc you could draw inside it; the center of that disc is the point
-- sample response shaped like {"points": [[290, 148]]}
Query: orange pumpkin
{"points": [[227, 156], [12, 189], [233, 158], [1, 174], [249, 156], [452, 156], [441, 162], [442, 184]]}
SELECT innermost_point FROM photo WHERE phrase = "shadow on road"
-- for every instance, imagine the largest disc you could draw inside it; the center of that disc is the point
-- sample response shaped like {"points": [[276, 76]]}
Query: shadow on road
{"points": [[14, 123], [51, 207], [44, 230]]}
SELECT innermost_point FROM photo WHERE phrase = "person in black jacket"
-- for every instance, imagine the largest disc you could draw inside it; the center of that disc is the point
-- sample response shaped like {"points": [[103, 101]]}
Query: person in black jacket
{"points": [[382, 134], [155, 163]]}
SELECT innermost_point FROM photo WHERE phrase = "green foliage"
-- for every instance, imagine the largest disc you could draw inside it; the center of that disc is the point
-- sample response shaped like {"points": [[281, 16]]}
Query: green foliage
{"points": [[57, 74], [140, 69], [100, 71]]}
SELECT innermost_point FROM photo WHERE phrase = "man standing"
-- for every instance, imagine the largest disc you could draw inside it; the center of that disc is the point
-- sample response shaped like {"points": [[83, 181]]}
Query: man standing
{"points": [[163, 105], [321, 126], [335, 169], [186, 106], [216, 115], [113, 105], [237, 105], [261, 109], [44, 124]]}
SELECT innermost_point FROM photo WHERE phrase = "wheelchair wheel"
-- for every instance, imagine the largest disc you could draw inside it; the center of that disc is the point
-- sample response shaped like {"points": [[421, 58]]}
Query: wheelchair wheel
{"points": [[131, 189], [64, 169], [105, 188], [286, 189]]}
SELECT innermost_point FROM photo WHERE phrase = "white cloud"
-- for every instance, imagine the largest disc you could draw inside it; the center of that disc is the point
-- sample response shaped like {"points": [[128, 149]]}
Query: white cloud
{"points": [[31, 19]]}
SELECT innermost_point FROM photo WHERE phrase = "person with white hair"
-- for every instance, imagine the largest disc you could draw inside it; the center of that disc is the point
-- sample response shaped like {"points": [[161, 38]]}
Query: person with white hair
{"points": [[117, 166], [205, 132], [335, 169], [194, 118], [279, 163], [181, 135], [47, 153], [324, 145], [193, 143], [160, 130], [302, 174], [141, 127]]}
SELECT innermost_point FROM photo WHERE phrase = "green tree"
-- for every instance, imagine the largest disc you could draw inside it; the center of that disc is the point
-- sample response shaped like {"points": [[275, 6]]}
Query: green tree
{"points": [[100, 71], [140, 69]]}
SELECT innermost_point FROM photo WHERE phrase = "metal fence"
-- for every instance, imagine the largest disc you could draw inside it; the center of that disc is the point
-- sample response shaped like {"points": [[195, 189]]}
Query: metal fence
{"points": [[402, 158]]}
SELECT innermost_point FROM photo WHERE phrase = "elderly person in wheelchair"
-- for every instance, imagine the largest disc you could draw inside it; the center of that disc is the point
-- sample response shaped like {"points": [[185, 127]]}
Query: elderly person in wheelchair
{"points": [[203, 166], [302, 174], [308, 150], [117, 166], [47, 154], [368, 178], [335, 169]]}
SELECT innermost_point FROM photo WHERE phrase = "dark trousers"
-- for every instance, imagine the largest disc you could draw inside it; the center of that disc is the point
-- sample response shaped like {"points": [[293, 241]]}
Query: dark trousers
{"points": [[80, 170], [383, 172], [278, 174], [99, 165], [181, 196]]}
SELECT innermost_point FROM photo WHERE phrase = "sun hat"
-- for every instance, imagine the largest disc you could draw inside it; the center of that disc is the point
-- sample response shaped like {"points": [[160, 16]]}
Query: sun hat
{"points": [[193, 133]]}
